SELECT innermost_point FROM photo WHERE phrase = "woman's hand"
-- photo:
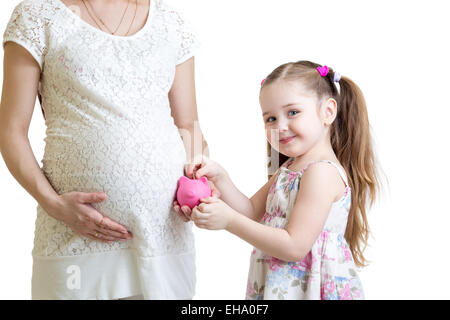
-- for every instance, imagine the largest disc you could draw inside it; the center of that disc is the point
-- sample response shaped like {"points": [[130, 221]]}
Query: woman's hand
{"points": [[76, 211], [212, 214], [184, 212]]}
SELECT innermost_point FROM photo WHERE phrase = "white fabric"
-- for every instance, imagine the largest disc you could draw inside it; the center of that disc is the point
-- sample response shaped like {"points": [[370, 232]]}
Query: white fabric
{"points": [[110, 129], [137, 297]]}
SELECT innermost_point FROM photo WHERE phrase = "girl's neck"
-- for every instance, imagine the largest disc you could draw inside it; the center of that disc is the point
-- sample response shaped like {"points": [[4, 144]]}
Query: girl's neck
{"points": [[320, 151]]}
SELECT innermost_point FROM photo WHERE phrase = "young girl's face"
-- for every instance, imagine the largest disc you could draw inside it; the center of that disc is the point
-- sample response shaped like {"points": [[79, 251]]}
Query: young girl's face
{"points": [[291, 117]]}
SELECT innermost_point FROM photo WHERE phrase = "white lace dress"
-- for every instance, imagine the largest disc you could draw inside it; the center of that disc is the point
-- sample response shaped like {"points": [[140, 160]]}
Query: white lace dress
{"points": [[110, 129]]}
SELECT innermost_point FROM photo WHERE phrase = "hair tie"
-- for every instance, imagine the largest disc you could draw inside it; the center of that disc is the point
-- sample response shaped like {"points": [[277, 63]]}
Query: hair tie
{"points": [[336, 77], [323, 71]]}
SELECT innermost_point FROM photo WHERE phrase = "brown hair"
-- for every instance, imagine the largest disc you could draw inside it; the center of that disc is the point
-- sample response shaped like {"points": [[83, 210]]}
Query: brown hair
{"points": [[351, 142]]}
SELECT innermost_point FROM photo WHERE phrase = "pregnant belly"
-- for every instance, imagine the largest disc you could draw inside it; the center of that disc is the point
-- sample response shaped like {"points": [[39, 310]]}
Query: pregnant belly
{"points": [[138, 177]]}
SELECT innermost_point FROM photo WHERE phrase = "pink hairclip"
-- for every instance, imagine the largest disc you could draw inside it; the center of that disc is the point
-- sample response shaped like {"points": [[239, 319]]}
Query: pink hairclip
{"points": [[323, 71], [262, 82]]}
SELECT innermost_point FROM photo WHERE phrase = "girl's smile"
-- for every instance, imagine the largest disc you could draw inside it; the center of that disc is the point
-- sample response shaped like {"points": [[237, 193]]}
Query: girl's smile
{"points": [[287, 140]]}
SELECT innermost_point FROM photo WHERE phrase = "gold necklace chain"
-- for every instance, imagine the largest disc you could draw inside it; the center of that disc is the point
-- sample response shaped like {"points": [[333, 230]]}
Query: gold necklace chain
{"points": [[91, 16], [121, 20], [132, 21]]}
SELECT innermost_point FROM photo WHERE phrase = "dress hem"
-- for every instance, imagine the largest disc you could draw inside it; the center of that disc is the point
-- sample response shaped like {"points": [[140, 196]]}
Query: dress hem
{"points": [[112, 275]]}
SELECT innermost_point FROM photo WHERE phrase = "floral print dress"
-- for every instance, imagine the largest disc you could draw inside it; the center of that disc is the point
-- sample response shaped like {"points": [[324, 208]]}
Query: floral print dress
{"points": [[327, 272]]}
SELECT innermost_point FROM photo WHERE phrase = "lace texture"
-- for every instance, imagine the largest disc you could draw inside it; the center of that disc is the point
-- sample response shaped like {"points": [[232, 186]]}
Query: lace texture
{"points": [[109, 123], [27, 27]]}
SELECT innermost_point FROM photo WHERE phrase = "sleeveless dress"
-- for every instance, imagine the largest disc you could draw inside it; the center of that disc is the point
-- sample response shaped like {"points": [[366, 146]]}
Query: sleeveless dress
{"points": [[109, 128], [327, 272]]}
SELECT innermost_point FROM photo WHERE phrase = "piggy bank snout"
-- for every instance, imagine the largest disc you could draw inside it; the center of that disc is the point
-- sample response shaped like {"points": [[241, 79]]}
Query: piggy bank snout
{"points": [[189, 194]]}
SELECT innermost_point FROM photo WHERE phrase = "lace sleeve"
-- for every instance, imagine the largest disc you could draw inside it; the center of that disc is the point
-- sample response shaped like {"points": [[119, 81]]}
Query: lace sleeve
{"points": [[188, 41], [27, 29]]}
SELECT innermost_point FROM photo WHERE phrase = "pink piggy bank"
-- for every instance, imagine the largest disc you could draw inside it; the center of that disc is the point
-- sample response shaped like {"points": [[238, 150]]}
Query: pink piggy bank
{"points": [[190, 191]]}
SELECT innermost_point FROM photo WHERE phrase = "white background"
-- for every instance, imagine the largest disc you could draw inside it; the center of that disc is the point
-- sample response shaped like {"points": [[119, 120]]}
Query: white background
{"points": [[396, 51]]}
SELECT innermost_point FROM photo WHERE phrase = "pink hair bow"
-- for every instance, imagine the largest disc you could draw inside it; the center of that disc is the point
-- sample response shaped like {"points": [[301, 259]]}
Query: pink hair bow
{"points": [[323, 71]]}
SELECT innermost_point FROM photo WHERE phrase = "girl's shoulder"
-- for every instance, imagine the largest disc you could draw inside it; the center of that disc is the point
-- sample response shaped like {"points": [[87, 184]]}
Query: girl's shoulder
{"points": [[325, 174], [326, 164], [288, 165]]}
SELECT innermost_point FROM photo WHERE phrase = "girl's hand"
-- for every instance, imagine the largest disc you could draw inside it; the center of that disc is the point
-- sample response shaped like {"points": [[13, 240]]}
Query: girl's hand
{"points": [[185, 212], [192, 171], [211, 170], [212, 214], [76, 211]]}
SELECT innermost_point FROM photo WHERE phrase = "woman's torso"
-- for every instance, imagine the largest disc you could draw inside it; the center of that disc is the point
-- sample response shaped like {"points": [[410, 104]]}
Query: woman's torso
{"points": [[109, 125]]}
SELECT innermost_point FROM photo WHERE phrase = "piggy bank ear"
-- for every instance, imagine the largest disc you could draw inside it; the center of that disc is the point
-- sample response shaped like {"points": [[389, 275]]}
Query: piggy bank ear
{"points": [[204, 180], [183, 180]]}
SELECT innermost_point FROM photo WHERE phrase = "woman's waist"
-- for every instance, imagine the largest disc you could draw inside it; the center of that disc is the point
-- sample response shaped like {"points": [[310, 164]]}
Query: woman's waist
{"points": [[124, 164], [91, 132], [97, 148], [120, 179]]}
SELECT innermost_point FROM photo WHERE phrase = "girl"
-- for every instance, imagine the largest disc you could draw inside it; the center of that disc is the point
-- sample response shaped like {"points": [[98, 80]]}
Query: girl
{"points": [[312, 230]]}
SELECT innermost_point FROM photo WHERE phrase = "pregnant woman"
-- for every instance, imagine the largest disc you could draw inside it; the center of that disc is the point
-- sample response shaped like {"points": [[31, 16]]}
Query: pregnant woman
{"points": [[115, 79]]}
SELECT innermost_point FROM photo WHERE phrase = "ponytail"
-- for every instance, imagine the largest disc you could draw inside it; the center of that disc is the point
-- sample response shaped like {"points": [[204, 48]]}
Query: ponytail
{"points": [[351, 141]]}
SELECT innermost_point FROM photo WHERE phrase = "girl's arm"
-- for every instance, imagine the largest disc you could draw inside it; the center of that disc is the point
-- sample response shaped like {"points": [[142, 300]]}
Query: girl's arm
{"points": [[319, 187], [253, 208]]}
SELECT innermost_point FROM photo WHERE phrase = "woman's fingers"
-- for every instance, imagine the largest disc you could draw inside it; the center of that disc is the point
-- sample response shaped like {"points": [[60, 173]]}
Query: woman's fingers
{"points": [[187, 212], [103, 232], [183, 217], [98, 236], [114, 235], [97, 217], [176, 207], [93, 197], [104, 237], [180, 212], [95, 236], [107, 223]]}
